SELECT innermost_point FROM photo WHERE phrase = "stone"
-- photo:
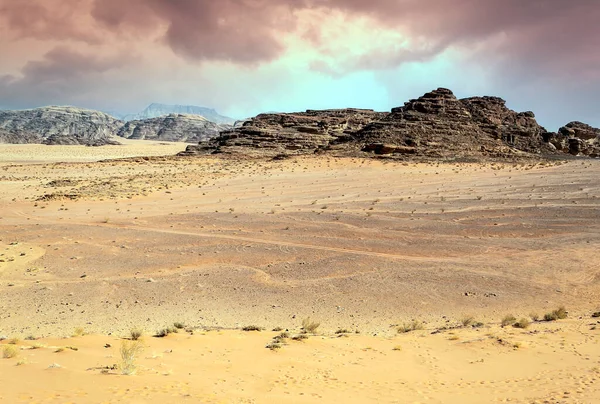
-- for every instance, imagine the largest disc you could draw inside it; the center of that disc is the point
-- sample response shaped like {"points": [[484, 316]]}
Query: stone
{"points": [[58, 125], [173, 128]]}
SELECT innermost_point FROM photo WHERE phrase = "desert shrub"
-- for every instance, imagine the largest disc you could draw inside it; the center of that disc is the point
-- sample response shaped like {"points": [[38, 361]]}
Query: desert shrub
{"points": [[9, 351], [179, 326], [252, 328], [343, 331], [412, 326], [78, 332], [558, 314], [467, 321], [534, 316], [310, 326], [522, 323], [277, 329], [596, 314], [299, 337], [273, 345], [508, 320], [129, 353], [165, 331], [136, 333], [13, 341]]}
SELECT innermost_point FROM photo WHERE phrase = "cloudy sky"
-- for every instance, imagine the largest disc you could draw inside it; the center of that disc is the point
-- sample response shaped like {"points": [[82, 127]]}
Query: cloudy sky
{"points": [[247, 56]]}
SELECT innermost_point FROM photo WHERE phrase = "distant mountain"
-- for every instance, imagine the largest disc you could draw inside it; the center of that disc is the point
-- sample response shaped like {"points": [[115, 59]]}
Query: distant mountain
{"points": [[158, 110], [173, 128], [58, 125]]}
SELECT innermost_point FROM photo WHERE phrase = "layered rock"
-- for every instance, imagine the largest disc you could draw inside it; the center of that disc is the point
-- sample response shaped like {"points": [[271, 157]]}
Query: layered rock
{"points": [[296, 133], [578, 138], [58, 125], [173, 128], [158, 110], [440, 125], [432, 126]]}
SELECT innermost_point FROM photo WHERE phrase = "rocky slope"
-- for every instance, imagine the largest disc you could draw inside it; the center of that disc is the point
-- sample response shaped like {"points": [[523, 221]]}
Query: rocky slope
{"points": [[58, 125], [578, 138], [296, 133], [159, 110], [173, 128], [436, 125]]}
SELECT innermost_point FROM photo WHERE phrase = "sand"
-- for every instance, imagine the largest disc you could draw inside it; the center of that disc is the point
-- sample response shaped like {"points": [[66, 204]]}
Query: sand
{"points": [[362, 245]]}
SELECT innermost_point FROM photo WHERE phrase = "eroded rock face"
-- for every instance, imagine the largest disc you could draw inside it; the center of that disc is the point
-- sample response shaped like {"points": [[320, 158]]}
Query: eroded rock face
{"points": [[296, 133], [440, 125], [58, 125], [432, 126], [173, 128], [579, 139]]}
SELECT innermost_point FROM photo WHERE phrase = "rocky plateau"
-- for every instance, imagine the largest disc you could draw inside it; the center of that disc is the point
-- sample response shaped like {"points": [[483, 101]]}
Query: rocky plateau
{"points": [[436, 125], [173, 128]]}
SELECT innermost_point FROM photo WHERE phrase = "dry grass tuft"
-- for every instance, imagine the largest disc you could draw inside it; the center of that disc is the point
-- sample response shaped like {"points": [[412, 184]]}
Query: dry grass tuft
{"points": [[9, 351], [508, 320], [412, 326], [136, 333], [129, 354], [558, 314], [310, 326], [522, 323]]}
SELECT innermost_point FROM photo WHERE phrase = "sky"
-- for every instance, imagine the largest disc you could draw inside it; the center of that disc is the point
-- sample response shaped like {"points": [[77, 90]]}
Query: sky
{"points": [[243, 57]]}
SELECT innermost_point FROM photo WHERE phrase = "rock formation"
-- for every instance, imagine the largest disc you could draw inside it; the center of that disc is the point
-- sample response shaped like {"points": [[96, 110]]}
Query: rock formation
{"points": [[58, 125], [159, 110], [297, 133], [436, 125], [578, 138], [173, 128]]}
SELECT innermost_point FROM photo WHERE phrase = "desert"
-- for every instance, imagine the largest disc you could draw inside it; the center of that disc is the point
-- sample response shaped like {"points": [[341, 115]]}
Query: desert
{"points": [[299, 201], [409, 268]]}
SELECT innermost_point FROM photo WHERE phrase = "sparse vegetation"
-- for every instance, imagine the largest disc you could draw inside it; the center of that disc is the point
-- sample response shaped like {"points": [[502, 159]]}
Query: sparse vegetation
{"points": [[596, 314], [397, 348], [166, 331], [9, 351], [136, 333], [299, 337], [522, 323], [534, 316], [467, 321], [343, 331], [78, 332], [558, 314], [179, 326], [508, 320], [252, 328], [414, 325], [310, 326], [129, 353], [273, 346]]}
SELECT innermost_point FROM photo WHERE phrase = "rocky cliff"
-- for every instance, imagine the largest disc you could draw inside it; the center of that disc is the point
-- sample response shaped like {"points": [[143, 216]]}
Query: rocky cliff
{"points": [[58, 125], [297, 133], [173, 128], [578, 139], [159, 110], [436, 125]]}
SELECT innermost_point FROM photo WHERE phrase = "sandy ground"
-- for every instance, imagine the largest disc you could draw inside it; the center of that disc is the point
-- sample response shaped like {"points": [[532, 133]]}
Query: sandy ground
{"points": [[547, 363], [362, 245]]}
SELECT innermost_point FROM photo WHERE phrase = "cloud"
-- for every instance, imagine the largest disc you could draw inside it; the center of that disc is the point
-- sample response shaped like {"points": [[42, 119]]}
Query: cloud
{"points": [[62, 74]]}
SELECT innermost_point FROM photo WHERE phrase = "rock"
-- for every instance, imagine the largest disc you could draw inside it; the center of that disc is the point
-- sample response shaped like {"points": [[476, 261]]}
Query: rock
{"points": [[436, 125], [160, 110], [580, 139], [440, 125], [173, 128], [58, 125], [580, 130], [277, 134]]}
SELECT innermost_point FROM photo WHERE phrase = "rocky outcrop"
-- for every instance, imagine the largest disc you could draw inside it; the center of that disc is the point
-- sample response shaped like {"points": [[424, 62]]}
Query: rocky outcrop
{"points": [[296, 133], [173, 128], [440, 125], [578, 139], [58, 125], [159, 110], [436, 125]]}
